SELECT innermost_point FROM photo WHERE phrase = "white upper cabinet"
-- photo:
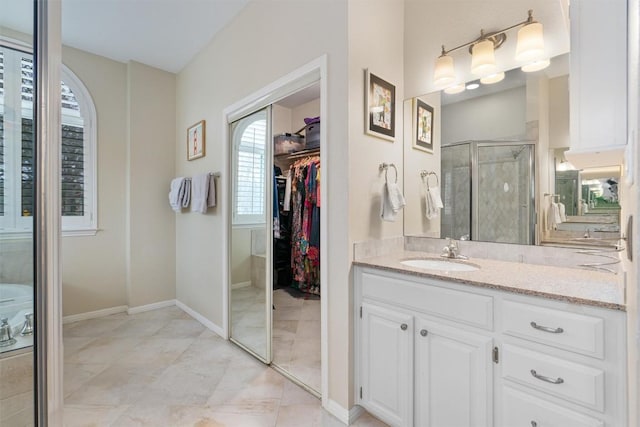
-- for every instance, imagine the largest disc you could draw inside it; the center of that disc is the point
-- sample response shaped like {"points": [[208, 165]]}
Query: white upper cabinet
{"points": [[598, 82]]}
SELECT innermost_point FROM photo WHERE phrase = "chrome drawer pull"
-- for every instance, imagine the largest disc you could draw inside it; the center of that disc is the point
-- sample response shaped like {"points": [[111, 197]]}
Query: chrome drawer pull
{"points": [[534, 325], [404, 326], [546, 379], [534, 424]]}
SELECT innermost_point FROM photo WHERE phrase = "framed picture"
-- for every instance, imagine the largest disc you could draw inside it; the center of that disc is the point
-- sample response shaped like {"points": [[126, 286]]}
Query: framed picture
{"points": [[380, 107], [423, 134], [196, 141]]}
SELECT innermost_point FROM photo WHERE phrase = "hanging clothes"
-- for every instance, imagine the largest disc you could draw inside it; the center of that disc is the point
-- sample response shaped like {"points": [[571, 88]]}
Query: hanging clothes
{"points": [[305, 224]]}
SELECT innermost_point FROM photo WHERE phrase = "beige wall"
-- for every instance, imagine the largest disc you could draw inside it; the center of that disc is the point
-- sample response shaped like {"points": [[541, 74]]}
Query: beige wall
{"points": [[559, 112], [218, 77], [375, 43], [93, 267], [130, 261], [16, 390], [299, 113], [151, 166], [240, 253]]}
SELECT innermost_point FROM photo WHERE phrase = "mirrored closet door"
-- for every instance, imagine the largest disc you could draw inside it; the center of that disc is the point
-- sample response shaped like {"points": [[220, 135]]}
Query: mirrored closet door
{"points": [[250, 238], [275, 235]]}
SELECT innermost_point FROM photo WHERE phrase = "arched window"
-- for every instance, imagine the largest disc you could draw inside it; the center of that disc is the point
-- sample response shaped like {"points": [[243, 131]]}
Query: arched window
{"points": [[78, 186], [249, 142]]}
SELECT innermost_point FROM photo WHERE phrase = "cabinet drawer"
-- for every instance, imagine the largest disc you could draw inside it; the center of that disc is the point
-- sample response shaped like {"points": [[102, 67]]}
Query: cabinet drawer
{"points": [[574, 332], [465, 307], [574, 382], [520, 409]]}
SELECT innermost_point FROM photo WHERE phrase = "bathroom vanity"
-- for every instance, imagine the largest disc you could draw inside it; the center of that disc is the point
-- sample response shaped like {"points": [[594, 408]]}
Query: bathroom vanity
{"points": [[506, 344]]}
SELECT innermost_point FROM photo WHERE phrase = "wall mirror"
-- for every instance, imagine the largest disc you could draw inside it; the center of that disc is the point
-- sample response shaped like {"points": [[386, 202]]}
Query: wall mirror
{"points": [[498, 146]]}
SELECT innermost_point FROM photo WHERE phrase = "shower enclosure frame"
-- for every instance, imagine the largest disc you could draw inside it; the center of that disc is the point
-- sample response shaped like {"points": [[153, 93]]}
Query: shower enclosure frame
{"points": [[474, 145]]}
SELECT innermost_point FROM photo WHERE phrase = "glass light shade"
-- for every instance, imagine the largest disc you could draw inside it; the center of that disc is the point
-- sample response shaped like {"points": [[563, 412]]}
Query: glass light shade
{"points": [[483, 60], [473, 85], [444, 74], [493, 78], [536, 66], [530, 45], [452, 90]]}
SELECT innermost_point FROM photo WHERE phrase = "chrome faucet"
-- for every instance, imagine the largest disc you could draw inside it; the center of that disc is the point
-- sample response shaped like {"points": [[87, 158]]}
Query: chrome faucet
{"points": [[452, 250], [6, 338]]}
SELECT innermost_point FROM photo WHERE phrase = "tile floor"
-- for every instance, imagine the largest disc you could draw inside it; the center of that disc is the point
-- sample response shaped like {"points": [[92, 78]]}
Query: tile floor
{"points": [[163, 368]]}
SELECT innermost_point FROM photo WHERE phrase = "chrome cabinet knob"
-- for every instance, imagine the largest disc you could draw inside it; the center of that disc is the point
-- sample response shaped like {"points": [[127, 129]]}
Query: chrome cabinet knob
{"points": [[404, 326], [424, 332]]}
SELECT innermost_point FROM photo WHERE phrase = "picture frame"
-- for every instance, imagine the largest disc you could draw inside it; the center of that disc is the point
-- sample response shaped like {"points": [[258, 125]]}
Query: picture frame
{"points": [[423, 126], [380, 107], [196, 141]]}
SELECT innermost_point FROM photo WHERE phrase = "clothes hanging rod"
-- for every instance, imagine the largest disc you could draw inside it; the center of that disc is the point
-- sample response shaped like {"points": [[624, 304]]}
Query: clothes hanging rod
{"points": [[301, 153]]}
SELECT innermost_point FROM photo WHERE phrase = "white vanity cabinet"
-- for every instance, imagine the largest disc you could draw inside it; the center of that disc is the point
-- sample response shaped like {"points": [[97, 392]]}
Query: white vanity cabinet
{"points": [[419, 362], [598, 80], [436, 353]]}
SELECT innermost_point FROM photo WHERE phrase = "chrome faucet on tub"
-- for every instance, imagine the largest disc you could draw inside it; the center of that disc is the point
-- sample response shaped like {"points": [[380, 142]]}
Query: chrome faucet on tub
{"points": [[452, 251]]}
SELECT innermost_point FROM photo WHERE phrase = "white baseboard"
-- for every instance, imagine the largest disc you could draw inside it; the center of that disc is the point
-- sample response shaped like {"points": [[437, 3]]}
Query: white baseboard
{"points": [[335, 409], [200, 318], [355, 413], [240, 285], [149, 307], [94, 314]]}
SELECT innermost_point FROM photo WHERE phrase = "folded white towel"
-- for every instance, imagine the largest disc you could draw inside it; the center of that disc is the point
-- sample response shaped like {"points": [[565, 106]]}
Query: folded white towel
{"points": [[199, 192], [562, 211], [392, 201], [211, 197], [433, 202], [174, 193]]}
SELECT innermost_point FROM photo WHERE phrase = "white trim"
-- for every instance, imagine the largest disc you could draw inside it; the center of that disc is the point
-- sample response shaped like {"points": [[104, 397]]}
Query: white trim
{"points": [[153, 306], [335, 409], [94, 314], [200, 318], [240, 285], [354, 413]]}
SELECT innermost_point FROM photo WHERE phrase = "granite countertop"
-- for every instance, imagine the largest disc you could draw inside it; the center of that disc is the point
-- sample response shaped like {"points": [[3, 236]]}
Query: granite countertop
{"points": [[578, 286]]}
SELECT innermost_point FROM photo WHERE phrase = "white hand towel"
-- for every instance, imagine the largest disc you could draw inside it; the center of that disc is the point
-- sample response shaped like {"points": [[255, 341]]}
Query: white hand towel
{"points": [[553, 217], [199, 192], [563, 212], [174, 193], [211, 197], [433, 202], [392, 201]]}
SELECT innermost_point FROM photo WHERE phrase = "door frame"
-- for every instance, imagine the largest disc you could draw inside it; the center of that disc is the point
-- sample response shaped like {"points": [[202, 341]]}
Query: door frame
{"points": [[296, 80]]}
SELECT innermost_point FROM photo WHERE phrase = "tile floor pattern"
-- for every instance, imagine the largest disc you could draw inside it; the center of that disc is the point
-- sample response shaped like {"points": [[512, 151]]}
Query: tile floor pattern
{"points": [[163, 368]]}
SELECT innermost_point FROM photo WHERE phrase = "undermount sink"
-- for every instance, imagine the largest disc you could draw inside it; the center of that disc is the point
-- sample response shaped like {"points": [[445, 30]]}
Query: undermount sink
{"points": [[439, 264]]}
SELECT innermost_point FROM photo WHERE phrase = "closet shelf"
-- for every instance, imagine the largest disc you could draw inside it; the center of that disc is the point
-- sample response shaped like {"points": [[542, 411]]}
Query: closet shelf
{"points": [[300, 153]]}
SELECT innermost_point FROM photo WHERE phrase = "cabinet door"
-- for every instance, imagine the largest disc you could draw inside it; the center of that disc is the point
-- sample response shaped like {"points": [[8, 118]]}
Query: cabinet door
{"points": [[386, 344], [454, 380]]}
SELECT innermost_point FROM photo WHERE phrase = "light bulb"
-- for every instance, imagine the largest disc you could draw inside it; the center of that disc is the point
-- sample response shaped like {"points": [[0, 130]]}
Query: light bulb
{"points": [[492, 78], [536, 66], [452, 90]]}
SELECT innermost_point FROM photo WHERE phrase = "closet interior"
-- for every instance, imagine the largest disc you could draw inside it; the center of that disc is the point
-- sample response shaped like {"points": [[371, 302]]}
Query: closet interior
{"points": [[275, 266]]}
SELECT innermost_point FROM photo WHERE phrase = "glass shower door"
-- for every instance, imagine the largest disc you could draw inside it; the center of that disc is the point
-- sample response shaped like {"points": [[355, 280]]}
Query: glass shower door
{"points": [[504, 194], [17, 179], [250, 234], [456, 184]]}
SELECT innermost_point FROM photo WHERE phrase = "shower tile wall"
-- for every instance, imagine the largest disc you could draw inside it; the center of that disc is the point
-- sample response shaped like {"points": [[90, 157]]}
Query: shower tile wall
{"points": [[499, 205], [16, 390]]}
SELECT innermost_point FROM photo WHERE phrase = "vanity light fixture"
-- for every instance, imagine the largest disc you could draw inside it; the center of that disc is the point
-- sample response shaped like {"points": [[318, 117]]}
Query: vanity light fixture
{"points": [[452, 90], [529, 50], [492, 78]]}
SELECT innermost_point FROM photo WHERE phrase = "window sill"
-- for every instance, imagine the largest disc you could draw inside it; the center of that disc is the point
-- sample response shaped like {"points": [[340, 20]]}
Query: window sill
{"points": [[22, 235]]}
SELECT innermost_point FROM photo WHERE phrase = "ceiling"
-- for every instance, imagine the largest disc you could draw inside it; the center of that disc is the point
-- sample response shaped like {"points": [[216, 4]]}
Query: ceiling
{"points": [[165, 34]]}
